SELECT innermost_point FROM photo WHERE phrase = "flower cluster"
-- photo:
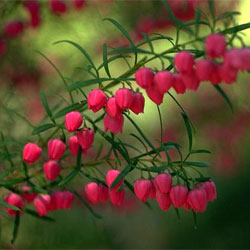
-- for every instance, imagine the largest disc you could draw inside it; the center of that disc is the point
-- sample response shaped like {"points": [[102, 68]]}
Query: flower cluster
{"points": [[124, 99], [220, 65]]}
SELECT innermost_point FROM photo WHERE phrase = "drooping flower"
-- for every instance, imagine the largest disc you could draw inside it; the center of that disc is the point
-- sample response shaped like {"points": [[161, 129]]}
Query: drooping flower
{"points": [[144, 77], [142, 189], [31, 152], [96, 100], [115, 125], [73, 121], [56, 149]]}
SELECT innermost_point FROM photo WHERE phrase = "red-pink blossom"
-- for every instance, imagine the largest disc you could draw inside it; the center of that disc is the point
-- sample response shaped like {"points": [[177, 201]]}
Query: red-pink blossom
{"points": [[92, 191], [215, 45], [85, 138], [73, 145], [124, 98], [163, 183], [96, 100], [204, 69], [115, 125], [31, 152], [154, 94], [27, 195], [58, 6], [14, 29], [163, 201], [138, 103], [117, 197], [79, 4], [142, 189], [56, 149], [178, 84], [51, 170], [41, 203], [104, 193], [152, 194], [184, 61], [163, 81], [111, 176], [73, 121], [178, 195], [14, 200], [112, 108], [190, 80], [210, 188], [197, 199], [144, 77]]}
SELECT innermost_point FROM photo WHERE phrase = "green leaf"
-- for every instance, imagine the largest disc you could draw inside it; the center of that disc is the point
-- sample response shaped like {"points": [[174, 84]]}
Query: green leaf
{"points": [[73, 107], [96, 215], [121, 176], [203, 179], [236, 29], [105, 60], [81, 49], [224, 95], [5, 204], [196, 164], [153, 169], [200, 151], [227, 14], [114, 58], [189, 130], [211, 8], [35, 214], [16, 227], [11, 182], [46, 106], [125, 33], [42, 128], [75, 171]]}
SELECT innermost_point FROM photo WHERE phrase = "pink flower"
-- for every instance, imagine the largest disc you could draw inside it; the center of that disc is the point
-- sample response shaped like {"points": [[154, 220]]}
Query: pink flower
{"points": [[152, 194], [245, 57], [116, 197], [215, 45], [31, 152], [163, 201], [73, 145], [56, 149], [144, 77], [92, 191], [124, 98], [41, 203], [215, 76], [178, 195], [58, 6], [178, 84], [142, 189], [14, 200], [204, 69], [96, 100], [14, 29], [233, 59], [186, 206], [163, 183], [210, 188], [33, 7], [73, 121], [190, 80], [111, 176], [138, 103], [63, 199], [104, 193], [79, 4], [112, 108], [184, 61], [154, 94], [197, 199], [85, 138], [27, 195], [51, 170], [115, 125], [228, 74], [163, 81]]}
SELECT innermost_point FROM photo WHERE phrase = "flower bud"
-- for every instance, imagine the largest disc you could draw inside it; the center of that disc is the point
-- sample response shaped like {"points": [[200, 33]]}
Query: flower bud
{"points": [[163, 183], [41, 203], [138, 103], [142, 189], [73, 145], [204, 69], [163, 81], [104, 193], [197, 199], [154, 94], [51, 170], [73, 121], [116, 197], [111, 176], [64, 200], [14, 29], [178, 84], [92, 191], [56, 149], [58, 6], [26, 195], [215, 45], [14, 200], [31, 152], [115, 125], [112, 108], [184, 61], [144, 77], [210, 188], [85, 138], [96, 100], [178, 195], [79, 4], [124, 98], [190, 80], [163, 201]]}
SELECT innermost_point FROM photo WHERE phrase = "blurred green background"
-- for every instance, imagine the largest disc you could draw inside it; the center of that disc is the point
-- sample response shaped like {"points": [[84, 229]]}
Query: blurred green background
{"points": [[225, 224]]}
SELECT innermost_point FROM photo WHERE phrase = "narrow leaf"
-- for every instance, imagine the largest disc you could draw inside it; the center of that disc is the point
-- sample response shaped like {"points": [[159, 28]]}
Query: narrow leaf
{"points": [[200, 151], [36, 215], [224, 95], [236, 29], [16, 227], [46, 106], [105, 59], [42, 128], [5, 204], [196, 164], [189, 130]]}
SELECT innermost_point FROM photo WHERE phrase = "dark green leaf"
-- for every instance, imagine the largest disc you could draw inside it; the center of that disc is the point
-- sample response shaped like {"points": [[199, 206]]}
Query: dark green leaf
{"points": [[196, 164], [121, 176], [5, 204], [227, 14], [203, 179], [224, 95], [105, 60], [42, 128], [211, 8], [236, 29], [46, 106], [153, 169], [16, 227], [200, 151], [35, 214], [11, 182], [189, 130], [73, 107], [98, 216]]}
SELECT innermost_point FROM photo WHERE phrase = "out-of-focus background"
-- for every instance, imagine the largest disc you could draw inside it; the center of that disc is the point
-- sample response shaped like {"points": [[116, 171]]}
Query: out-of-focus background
{"points": [[24, 72]]}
